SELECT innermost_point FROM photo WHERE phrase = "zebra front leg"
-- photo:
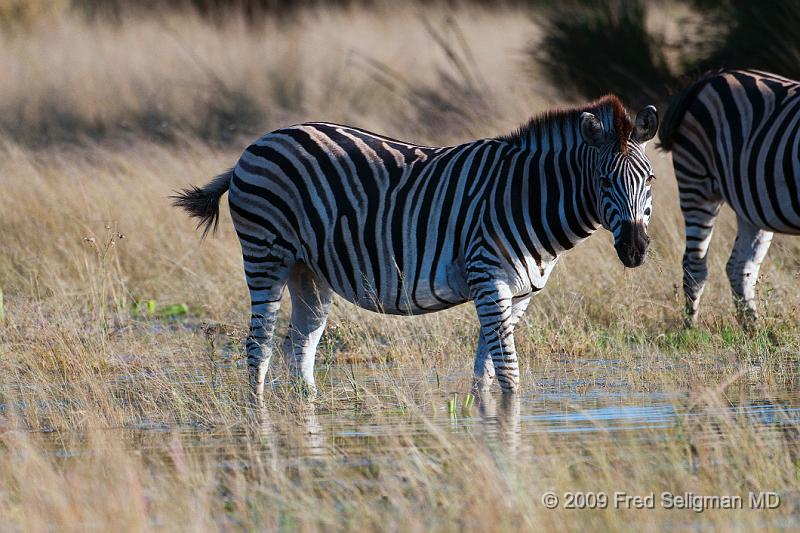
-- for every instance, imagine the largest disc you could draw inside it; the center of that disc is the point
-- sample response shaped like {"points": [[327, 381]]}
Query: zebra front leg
{"points": [[311, 301], [699, 216], [748, 253], [483, 370], [495, 312]]}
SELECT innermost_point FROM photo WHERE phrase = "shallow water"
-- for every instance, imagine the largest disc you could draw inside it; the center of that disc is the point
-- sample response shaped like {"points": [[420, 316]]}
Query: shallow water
{"points": [[594, 403]]}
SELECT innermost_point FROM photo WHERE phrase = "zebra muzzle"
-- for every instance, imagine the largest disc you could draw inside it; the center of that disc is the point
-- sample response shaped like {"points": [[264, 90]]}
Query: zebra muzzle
{"points": [[632, 244]]}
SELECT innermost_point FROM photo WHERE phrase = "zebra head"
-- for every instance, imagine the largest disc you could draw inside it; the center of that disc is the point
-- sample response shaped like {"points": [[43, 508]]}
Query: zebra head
{"points": [[622, 175]]}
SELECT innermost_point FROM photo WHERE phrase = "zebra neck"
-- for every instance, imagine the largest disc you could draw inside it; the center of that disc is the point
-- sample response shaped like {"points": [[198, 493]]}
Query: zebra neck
{"points": [[550, 189], [549, 201]]}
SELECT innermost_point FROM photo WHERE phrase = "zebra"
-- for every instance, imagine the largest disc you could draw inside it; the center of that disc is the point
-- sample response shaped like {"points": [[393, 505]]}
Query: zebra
{"points": [[406, 229], [735, 138]]}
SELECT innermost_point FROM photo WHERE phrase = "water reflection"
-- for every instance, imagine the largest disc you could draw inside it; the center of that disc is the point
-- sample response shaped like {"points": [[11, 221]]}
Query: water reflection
{"points": [[500, 419], [315, 442]]}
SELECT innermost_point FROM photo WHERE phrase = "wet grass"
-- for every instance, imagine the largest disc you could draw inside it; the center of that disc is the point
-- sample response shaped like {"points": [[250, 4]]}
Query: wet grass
{"points": [[151, 420]]}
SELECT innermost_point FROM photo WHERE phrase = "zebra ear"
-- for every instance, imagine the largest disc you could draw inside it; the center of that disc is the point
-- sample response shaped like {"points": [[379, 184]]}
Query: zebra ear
{"points": [[646, 125], [591, 129]]}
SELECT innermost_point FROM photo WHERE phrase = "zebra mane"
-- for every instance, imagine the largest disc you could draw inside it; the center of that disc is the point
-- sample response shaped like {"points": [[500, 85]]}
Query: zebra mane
{"points": [[609, 109]]}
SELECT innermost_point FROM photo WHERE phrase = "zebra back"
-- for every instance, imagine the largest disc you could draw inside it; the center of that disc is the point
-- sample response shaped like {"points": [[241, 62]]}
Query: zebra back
{"points": [[678, 105]]}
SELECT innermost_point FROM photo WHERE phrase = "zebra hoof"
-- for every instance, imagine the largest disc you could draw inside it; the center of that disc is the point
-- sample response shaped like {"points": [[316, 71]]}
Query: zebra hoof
{"points": [[302, 389], [481, 385], [308, 392], [746, 315], [690, 316], [256, 390], [256, 398], [748, 319]]}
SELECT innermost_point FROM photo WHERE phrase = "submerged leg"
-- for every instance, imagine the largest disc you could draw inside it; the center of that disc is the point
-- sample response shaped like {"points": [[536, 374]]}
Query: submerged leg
{"points": [[311, 301], [266, 277], [748, 253], [495, 311], [483, 370]]}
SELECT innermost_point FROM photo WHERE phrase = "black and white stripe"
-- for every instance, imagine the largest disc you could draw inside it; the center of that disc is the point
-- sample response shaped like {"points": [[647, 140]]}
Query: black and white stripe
{"points": [[735, 138], [406, 229]]}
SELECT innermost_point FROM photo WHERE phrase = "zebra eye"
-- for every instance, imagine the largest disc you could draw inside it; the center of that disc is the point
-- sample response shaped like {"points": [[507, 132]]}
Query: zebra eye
{"points": [[650, 179], [605, 183]]}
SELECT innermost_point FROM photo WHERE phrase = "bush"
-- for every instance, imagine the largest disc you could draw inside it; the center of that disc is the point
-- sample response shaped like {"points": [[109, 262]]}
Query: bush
{"points": [[757, 35], [592, 47]]}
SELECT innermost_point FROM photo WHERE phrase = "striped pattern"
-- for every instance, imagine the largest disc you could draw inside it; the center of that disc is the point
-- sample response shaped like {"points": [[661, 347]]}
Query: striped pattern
{"points": [[406, 229], [735, 138]]}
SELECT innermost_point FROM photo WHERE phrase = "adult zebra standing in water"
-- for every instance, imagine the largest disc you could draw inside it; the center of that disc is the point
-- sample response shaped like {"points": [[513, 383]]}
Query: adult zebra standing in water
{"points": [[735, 137], [406, 229]]}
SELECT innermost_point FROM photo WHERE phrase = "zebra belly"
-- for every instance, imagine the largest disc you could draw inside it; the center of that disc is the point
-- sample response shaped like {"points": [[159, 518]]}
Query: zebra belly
{"points": [[775, 207], [785, 218], [395, 292]]}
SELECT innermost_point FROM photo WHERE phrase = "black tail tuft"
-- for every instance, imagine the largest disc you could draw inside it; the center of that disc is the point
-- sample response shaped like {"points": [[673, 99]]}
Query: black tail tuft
{"points": [[678, 105], [203, 202]]}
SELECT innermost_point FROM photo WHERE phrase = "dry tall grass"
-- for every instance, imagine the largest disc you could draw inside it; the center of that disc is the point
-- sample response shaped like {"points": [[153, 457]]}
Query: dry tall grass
{"points": [[176, 76], [115, 421]]}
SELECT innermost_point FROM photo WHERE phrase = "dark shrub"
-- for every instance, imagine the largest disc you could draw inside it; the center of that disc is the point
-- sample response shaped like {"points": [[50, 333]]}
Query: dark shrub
{"points": [[760, 35], [593, 47]]}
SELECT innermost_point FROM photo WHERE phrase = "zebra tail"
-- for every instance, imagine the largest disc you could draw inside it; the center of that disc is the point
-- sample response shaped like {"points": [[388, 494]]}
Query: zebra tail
{"points": [[678, 105], [203, 202]]}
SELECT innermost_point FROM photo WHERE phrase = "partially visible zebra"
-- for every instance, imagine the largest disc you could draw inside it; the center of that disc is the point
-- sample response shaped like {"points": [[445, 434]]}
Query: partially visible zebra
{"points": [[406, 229], [735, 137]]}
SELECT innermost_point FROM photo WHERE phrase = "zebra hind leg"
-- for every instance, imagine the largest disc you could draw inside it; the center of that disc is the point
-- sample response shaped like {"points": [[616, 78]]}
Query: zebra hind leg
{"points": [[748, 253], [311, 301], [266, 277], [699, 217]]}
